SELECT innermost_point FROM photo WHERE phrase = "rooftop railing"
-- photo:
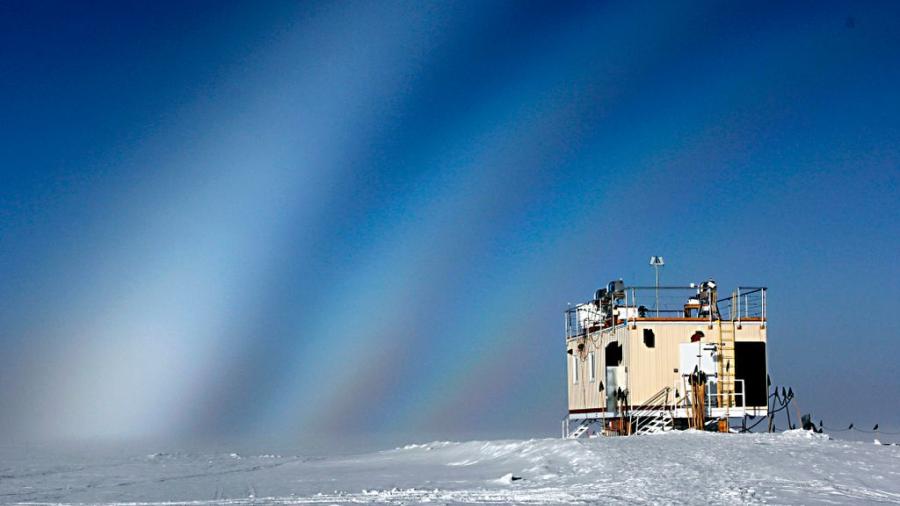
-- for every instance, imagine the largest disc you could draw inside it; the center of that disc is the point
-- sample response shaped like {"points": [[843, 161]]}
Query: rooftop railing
{"points": [[638, 303], [745, 303]]}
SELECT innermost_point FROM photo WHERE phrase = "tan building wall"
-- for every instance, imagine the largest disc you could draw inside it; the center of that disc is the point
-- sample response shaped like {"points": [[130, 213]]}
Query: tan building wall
{"points": [[647, 369], [585, 394]]}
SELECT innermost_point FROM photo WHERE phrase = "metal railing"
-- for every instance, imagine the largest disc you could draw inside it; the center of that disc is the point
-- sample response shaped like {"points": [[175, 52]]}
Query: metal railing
{"points": [[666, 302], [582, 318], [659, 400], [650, 409], [714, 398], [745, 303]]}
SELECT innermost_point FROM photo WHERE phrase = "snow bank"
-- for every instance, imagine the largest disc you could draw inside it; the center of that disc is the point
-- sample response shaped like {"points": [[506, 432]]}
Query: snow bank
{"points": [[795, 467]]}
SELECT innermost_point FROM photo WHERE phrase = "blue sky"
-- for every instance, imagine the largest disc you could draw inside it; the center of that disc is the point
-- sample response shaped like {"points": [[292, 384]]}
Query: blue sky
{"points": [[289, 219]]}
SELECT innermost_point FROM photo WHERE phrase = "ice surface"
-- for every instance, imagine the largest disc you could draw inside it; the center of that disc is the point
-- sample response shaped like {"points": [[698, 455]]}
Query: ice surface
{"points": [[676, 468]]}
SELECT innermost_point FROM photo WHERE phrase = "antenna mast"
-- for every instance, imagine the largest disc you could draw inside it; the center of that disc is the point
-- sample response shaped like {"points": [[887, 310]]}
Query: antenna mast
{"points": [[656, 263]]}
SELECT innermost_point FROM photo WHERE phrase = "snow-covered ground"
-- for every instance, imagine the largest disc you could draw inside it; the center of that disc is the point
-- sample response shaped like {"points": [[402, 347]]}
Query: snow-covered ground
{"points": [[675, 468]]}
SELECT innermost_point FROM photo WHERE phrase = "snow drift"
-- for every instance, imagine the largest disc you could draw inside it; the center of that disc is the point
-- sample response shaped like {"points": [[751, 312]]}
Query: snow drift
{"points": [[674, 468]]}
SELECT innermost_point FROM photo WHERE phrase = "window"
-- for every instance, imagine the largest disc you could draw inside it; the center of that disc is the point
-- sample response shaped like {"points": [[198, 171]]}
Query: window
{"points": [[575, 371], [613, 354], [649, 338], [592, 372]]}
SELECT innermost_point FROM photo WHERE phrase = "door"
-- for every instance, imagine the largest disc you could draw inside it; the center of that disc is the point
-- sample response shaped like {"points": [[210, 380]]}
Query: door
{"points": [[615, 379]]}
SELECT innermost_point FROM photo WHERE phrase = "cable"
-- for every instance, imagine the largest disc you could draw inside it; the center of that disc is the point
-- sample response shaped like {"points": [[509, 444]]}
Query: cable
{"points": [[748, 429], [782, 405], [860, 430], [768, 415]]}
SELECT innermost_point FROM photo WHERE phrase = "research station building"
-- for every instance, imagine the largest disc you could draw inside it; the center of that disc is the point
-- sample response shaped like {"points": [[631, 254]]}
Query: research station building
{"points": [[647, 359]]}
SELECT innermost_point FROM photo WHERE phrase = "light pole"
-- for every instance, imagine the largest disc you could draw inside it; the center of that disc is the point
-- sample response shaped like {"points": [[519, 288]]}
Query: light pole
{"points": [[657, 262]]}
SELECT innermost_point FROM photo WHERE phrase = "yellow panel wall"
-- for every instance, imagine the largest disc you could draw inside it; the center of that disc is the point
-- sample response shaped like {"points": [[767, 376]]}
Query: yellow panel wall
{"points": [[648, 369], [651, 369], [585, 393]]}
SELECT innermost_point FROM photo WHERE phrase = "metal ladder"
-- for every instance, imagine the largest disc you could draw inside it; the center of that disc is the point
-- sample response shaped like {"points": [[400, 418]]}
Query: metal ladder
{"points": [[726, 390]]}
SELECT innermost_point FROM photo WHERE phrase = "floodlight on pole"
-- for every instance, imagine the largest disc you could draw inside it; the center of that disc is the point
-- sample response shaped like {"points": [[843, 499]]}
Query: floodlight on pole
{"points": [[656, 263]]}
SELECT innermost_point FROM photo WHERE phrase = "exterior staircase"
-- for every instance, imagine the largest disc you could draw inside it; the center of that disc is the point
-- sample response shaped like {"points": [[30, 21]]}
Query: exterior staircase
{"points": [[654, 416], [581, 430], [660, 421]]}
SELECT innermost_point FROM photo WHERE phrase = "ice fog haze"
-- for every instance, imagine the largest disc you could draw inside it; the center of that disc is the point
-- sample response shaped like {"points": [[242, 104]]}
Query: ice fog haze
{"points": [[310, 222]]}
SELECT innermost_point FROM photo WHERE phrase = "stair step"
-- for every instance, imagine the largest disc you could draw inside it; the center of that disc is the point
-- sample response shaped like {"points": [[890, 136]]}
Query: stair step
{"points": [[580, 430], [658, 422]]}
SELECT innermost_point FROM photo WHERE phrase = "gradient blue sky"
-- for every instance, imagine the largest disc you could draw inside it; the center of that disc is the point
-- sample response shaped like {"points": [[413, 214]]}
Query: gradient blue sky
{"points": [[298, 219]]}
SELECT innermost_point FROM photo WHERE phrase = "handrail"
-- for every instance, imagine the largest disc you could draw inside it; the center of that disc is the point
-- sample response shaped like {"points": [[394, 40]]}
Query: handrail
{"points": [[653, 401], [652, 406], [718, 395], [745, 304], [750, 291]]}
